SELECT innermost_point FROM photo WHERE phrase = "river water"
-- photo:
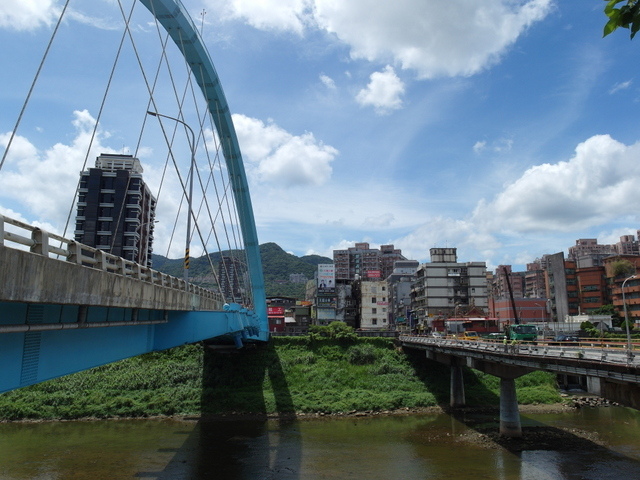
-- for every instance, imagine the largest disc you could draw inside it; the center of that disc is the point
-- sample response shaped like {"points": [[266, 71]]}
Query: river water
{"points": [[595, 443]]}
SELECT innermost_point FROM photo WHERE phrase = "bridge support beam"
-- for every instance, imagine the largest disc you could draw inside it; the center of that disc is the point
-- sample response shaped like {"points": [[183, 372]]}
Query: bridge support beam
{"points": [[510, 425], [509, 414], [457, 398]]}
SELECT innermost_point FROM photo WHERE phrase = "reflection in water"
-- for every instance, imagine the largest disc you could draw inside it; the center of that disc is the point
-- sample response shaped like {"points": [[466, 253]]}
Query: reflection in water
{"points": [[408, 447]]}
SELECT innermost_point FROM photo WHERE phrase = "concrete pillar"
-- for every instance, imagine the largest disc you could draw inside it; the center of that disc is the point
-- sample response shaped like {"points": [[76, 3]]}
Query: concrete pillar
{"points": [[457, 387], [509, 414]]}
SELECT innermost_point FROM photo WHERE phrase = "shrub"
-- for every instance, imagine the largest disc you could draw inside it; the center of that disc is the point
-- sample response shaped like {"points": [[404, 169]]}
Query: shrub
{"points": [[362, 354]]}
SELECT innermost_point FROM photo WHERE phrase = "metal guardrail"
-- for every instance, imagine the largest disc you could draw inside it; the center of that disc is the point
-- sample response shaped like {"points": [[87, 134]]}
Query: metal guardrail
{"points": [[588, 349], [41, 242]]}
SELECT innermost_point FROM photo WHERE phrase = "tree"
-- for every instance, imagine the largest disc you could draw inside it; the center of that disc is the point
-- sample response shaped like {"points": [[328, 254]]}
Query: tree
{"points": [[336, 330], [627, 16], [607, 309], [622, 268]]}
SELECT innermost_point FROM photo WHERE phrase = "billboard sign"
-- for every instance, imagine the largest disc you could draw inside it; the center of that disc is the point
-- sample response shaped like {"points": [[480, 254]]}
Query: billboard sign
{"points": [[326, 278]]}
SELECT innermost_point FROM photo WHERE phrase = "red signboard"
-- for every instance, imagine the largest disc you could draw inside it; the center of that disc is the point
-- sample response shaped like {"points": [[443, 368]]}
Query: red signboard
{"points": [[374, 274], [275, 311]]}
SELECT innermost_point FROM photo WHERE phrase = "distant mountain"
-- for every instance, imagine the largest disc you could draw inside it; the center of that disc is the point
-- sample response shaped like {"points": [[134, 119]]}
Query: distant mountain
{"points": [[277, 266]]}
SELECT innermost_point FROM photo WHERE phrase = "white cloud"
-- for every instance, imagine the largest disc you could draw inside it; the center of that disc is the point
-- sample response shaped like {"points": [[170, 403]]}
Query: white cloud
{"points": [[383, 91], [620, 86], [597, 185], [381, 221], [435, 38], [480, 146], [278, 157], [328, 82], [501, 145], [288, 15], [45, 181], [27, 14]]}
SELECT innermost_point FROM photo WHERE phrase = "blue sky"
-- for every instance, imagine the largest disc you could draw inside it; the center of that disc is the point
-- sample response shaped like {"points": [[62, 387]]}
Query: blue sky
{"points": [[505, 128]]}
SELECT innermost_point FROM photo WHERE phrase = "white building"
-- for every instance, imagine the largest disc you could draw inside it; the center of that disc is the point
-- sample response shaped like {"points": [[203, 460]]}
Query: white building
{"points": [[374, 305]]}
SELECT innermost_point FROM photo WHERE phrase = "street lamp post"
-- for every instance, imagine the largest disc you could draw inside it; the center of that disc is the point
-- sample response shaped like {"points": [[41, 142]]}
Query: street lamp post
{"points": [[626, 318], [192, 145]]}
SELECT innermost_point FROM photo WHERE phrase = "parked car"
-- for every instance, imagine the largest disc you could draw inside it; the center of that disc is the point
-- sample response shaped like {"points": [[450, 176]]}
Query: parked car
{"points": [[566, 340], [437, 335], [470, 335]]}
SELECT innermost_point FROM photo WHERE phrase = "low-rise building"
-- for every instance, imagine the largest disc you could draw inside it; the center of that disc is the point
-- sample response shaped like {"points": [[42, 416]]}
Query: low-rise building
{"points": [[374, 305], [446, 287]]}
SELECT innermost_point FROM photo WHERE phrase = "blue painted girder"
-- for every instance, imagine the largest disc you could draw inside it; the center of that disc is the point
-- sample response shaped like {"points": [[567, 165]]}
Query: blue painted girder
{"points": [[33, 357]]}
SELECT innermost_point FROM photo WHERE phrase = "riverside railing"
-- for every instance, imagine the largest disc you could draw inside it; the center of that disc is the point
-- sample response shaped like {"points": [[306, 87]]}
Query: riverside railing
{"points": [[50, 245]]}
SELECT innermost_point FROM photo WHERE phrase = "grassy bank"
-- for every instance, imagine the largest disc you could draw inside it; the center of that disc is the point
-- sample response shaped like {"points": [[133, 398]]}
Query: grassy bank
{"points": [[289, 375]]}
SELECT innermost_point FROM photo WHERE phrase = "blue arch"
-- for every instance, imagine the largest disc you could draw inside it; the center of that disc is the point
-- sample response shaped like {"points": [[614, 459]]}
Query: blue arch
{"points": [[173, 17]]}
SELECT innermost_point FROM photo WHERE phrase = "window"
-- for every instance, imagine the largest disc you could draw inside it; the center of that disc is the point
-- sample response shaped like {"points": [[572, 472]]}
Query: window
{"points": [[374, 310], [374, 321], [373, 300], [107, 183]]}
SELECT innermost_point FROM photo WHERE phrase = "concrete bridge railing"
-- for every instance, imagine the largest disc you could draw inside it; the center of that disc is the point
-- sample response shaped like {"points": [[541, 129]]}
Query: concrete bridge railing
{"points": [[37, 272]]}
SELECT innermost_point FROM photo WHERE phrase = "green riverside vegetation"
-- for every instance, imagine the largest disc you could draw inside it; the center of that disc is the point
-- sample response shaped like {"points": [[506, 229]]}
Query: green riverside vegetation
{"points": [[332, 374]]}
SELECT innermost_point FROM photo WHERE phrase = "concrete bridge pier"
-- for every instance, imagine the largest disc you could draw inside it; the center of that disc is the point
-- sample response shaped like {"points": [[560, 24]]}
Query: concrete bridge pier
{"points": [[509, 414], [457, 398], [510, 425]]}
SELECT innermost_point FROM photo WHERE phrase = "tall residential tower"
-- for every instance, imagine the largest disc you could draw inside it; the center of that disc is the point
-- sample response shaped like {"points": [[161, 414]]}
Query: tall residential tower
{"points": [[116, 209]]}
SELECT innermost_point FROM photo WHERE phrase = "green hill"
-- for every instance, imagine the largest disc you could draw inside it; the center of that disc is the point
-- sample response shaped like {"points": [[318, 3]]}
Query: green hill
{"points": [[277, 266]]}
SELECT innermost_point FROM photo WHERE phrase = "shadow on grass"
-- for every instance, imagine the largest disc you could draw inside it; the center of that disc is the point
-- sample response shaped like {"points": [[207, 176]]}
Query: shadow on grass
{"points": [[246, 430]]}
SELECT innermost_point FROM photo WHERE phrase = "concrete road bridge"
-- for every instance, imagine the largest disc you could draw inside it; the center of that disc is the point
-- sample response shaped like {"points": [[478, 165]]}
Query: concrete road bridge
{"points": [[611, 370]]}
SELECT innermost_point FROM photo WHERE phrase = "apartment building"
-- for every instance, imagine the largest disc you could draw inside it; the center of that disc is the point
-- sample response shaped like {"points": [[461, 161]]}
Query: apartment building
{"points": [[116, 209], [374, 305], [505, 279], [364, 262], [593, 288], [448, 288], [400, 283], [620, 271], [562, 286]]}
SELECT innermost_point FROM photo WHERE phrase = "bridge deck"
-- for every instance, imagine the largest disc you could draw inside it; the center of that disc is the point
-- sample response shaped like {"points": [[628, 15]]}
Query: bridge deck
{"points": [[593, 358]]}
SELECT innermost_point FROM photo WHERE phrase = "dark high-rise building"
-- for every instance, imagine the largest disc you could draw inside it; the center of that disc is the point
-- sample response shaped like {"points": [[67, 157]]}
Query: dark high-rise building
{"points": [[116, 209]]}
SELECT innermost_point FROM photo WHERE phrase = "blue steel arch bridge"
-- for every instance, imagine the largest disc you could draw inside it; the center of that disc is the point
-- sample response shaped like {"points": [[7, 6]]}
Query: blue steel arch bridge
{"points": [[66, 306]]}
